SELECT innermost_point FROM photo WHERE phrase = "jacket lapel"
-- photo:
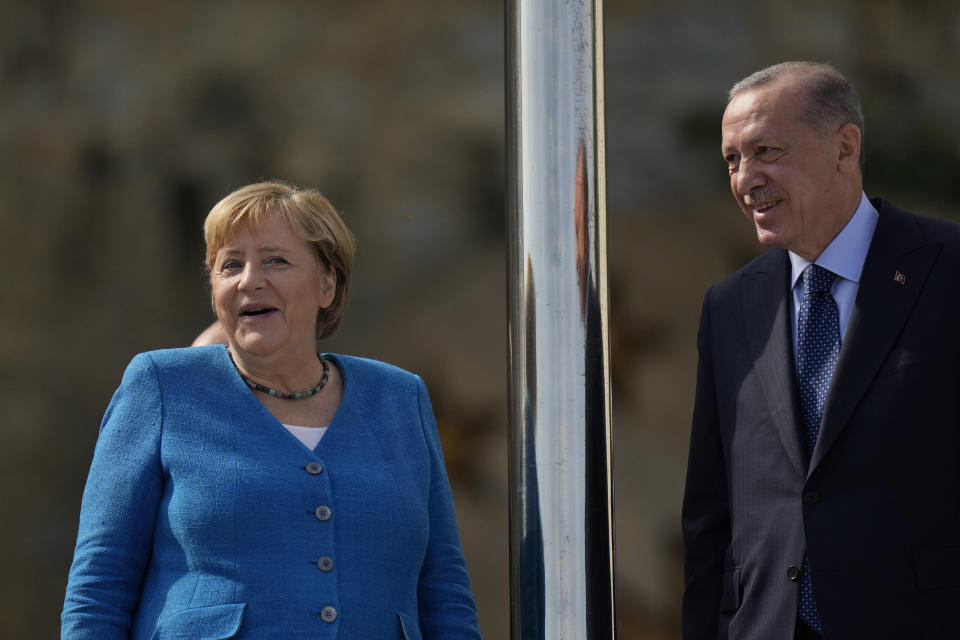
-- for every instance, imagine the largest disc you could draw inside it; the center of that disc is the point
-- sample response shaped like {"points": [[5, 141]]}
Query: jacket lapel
{"points": [[767, 304], [893, 275]]}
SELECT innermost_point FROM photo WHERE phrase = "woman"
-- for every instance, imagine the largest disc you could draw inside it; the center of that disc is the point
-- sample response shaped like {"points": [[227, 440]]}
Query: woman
{"points": [[261, 490]]}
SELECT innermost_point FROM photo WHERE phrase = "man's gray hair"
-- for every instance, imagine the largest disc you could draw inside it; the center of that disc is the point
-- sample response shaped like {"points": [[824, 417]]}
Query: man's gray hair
{"points": [[831, 100]]}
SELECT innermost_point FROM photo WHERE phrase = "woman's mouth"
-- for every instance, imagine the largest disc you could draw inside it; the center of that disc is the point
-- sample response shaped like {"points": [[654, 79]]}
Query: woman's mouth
{"points": [[256, 311]]}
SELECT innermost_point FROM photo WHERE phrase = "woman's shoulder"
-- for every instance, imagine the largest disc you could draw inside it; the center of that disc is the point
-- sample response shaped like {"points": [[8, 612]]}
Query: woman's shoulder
{"points": [[182, 375], [182, 356], [369, 371], [185, 361]]}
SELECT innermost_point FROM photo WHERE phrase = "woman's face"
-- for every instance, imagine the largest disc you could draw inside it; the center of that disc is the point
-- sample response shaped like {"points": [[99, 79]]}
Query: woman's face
{"points": [[268, 287]]}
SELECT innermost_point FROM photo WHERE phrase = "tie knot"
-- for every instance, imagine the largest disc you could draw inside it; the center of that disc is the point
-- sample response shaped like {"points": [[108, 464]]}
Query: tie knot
{"points": [[816, 279]]}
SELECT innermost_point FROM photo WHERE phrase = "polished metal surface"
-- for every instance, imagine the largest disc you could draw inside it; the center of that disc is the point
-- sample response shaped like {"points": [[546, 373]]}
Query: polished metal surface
{"points": [[561, 501]]}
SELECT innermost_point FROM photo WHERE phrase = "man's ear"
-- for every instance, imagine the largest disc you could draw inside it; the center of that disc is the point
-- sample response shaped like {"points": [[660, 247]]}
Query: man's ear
{"points": [[849, 140]]}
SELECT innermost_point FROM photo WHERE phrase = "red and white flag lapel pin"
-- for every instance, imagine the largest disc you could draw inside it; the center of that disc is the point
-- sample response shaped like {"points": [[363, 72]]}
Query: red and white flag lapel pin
{"points": [[899, 277]]}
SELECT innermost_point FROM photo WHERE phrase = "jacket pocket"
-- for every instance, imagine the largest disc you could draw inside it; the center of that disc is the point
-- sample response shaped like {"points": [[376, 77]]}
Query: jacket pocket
{"points": [[730, 595], [216, 622], [409, 627], [937, 567]]}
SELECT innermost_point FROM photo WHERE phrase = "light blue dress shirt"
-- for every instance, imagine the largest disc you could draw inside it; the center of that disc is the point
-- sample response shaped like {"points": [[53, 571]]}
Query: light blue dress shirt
{"points": [[844, 256]]}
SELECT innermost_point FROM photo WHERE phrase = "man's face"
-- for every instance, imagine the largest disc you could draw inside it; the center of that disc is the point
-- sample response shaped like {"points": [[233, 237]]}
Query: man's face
{"points": [[786, 176]]}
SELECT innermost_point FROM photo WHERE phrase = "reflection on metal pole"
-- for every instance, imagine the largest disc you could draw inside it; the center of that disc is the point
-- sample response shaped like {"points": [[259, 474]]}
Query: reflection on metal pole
{"points": [[561, 500]]}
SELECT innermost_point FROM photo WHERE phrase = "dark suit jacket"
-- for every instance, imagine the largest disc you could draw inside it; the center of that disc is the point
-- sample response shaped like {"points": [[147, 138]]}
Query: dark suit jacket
{"points": [[877, 506]]}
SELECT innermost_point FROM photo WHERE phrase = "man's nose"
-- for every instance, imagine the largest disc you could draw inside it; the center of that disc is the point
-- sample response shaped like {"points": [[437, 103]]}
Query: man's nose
{"points": [[749, 177]]}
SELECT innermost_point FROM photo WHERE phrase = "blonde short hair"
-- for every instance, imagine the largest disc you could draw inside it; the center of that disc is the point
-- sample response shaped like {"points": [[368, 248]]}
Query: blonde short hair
{"points": [[312, 218]]}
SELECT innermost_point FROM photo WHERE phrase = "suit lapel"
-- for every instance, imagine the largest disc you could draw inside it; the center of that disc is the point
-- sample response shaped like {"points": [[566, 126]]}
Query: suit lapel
{"points": [[767, 304], [881, 308]]}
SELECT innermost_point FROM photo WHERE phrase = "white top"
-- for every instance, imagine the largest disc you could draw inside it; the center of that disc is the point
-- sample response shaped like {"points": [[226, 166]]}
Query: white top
{"points": [[309, 436]]}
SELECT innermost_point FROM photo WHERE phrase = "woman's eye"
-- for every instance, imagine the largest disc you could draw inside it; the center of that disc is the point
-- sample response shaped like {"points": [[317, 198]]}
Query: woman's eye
{"points": [[276, 260], [230, 265]]}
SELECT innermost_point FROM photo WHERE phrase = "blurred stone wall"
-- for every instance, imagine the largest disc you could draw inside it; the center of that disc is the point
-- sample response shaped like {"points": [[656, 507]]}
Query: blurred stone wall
{"points": [[121, 123]]}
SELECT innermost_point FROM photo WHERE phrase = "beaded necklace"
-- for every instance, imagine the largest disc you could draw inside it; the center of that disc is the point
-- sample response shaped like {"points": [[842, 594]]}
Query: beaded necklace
{"points": [[256, 386]]}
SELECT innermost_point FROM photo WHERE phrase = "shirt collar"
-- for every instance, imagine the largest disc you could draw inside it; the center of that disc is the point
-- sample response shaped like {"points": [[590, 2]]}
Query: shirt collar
{"points": [[847, 252]]}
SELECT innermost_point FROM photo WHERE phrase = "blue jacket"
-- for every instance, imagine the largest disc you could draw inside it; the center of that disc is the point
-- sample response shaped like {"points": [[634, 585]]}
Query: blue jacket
{"points": [[203, 517]]}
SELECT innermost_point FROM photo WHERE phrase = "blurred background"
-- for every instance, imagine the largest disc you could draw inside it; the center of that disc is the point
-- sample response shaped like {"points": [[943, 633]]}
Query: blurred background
{"points": [[122, 123]]}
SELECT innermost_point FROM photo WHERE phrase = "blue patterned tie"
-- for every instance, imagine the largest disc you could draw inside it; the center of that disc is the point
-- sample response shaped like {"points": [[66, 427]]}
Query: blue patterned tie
{"points": [[818, 345]]}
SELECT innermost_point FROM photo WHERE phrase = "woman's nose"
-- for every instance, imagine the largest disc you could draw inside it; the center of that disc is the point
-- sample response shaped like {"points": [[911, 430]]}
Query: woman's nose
{"points": [[251, 278]]}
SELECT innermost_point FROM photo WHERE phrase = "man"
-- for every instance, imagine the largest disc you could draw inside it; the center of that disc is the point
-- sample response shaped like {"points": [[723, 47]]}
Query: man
{"points": [[214, 334], [823, 485]]}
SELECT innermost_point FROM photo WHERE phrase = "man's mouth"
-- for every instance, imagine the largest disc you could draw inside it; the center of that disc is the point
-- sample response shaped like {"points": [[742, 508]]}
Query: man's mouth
{"points": [[763, 206]]}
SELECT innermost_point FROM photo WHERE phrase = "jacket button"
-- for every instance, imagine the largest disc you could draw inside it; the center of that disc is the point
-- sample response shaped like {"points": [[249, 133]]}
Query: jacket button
{"points": [[314, 468], [325, 563], [328, 614], [793, 573], [811, 497], [322, 512]]}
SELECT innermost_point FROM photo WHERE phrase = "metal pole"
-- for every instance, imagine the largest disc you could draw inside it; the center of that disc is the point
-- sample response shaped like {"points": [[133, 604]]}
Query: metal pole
{"points": [[561, 500]]}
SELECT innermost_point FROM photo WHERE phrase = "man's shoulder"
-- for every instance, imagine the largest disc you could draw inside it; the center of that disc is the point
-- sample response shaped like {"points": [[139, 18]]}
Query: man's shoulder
{"points": [[931, 229], [769, 263]]}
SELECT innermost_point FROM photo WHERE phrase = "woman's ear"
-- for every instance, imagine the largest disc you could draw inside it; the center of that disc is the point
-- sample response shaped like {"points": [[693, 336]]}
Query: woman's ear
{"points": [[328, 285]]}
